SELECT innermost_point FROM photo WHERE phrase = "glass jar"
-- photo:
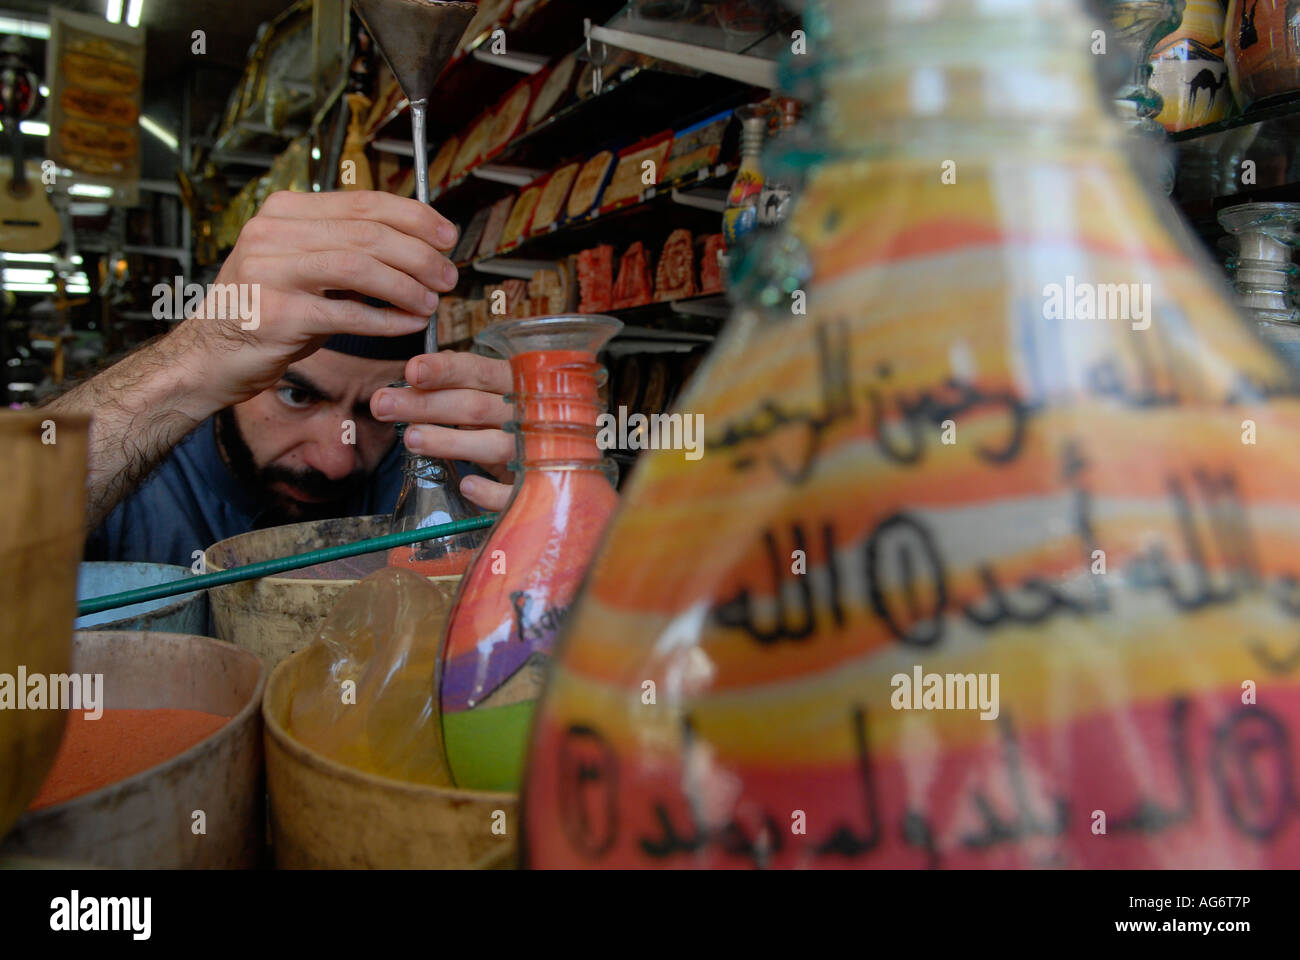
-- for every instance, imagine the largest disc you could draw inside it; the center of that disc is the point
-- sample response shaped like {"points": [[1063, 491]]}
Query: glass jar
{"points": [[994, 519], [1262, 271], [519, 586]]}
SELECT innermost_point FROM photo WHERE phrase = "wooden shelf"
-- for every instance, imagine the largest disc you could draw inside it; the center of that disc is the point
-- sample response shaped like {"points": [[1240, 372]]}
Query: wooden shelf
{"points": [[1274, 108], [656, 212], [639, 102], [470, 82]]}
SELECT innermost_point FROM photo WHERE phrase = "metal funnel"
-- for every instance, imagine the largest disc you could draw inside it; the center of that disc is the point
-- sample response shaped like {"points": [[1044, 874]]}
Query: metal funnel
{"points": [[416, 37]]}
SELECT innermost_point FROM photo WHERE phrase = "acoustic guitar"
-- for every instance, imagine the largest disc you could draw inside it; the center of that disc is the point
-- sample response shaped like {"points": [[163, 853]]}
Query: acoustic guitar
{"points": [[28, 223]]}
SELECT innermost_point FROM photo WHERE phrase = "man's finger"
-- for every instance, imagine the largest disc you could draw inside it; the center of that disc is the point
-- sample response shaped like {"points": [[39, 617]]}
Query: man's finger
{"points": [[477, 446], [448, 368], [324, 317], [399, 250], [458, 408], [411, 217], [359, 272], [485, 494]]}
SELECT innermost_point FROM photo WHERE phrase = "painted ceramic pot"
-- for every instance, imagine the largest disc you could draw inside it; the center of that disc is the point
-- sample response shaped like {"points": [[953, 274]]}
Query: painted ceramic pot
{"points": [[1263, 48], [1188, 70]]}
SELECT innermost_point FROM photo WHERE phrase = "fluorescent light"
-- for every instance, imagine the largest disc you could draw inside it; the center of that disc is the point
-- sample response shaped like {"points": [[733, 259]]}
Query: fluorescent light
{"points": [[90, 190], [133, 13], [28, 257], [31, 287], [77, 288], [33, 127], [27, 276], [25, 28], [163, 134], [114, 12]]}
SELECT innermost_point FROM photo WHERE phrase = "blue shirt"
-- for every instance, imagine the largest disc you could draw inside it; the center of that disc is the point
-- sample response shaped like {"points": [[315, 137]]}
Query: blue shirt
{"points": [[192, 500]]}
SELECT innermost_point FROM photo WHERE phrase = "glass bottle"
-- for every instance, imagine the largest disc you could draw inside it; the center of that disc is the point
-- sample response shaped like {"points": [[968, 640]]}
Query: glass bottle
{"points": [[518, 588], [430, 496], [968, 559], [1262, 271], [741, 213]]}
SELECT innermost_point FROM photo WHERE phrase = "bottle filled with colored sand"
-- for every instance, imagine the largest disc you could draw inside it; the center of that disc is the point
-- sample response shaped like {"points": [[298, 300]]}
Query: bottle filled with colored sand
{"points": [[993, 555], [519, 586]]}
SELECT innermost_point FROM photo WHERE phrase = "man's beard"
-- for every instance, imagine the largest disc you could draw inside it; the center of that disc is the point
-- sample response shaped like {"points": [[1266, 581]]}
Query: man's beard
{"points": [[259, 481]]}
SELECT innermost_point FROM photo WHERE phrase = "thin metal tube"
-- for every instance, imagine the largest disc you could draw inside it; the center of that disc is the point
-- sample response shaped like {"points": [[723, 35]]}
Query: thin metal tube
{"points": [[420, 148], [266, 568]]}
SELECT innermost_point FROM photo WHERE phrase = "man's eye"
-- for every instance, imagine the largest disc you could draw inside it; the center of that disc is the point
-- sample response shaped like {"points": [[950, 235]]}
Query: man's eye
{"points": [[295, 397]]}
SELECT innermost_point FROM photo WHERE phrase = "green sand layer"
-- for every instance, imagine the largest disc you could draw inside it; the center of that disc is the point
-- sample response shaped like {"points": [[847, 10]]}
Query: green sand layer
{"points": [[485, 745]]}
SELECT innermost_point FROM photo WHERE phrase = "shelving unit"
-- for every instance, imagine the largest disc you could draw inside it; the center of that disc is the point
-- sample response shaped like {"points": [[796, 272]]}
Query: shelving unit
{"points": [[480, 77], [658, 209], [1275, 108], [639, 100], [746, 56]]}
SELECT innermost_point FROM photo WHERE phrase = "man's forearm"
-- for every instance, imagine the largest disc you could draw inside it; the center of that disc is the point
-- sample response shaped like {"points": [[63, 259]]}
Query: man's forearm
{"points": [[140, 408]]}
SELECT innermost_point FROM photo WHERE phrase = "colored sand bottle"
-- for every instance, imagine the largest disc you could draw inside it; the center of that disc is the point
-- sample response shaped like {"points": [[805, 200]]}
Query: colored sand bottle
{"points": [[742, 212], [993, 557], [518, 589]]}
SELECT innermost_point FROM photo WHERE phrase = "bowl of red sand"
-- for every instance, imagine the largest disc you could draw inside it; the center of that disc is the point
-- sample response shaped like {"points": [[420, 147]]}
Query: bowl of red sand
{"points": [[276, 616], [160, 765]]}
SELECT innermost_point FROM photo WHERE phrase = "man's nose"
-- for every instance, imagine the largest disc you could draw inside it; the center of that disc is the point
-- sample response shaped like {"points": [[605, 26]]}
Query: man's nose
{"points": [[327, 450]]}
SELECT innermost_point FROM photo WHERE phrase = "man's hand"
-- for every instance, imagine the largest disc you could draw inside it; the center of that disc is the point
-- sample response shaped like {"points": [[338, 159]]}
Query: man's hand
{"points": [[298, 249], [450, 390]]}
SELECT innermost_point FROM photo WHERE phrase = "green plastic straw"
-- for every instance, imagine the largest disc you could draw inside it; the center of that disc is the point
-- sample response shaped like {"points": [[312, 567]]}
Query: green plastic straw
{"points": [[266, 568]]}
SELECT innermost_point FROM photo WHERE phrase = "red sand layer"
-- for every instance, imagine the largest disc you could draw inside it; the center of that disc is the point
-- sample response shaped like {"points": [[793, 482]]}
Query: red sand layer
{"points": [[450, 565], [121, 743]]}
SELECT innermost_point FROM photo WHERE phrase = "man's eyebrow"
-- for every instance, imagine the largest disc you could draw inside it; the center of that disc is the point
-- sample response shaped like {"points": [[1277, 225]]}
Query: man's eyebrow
{"points": [[305, 383]]}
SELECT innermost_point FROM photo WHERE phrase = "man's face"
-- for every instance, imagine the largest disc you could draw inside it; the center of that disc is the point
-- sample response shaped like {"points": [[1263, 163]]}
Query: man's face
{"points": [[290, 444]]}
